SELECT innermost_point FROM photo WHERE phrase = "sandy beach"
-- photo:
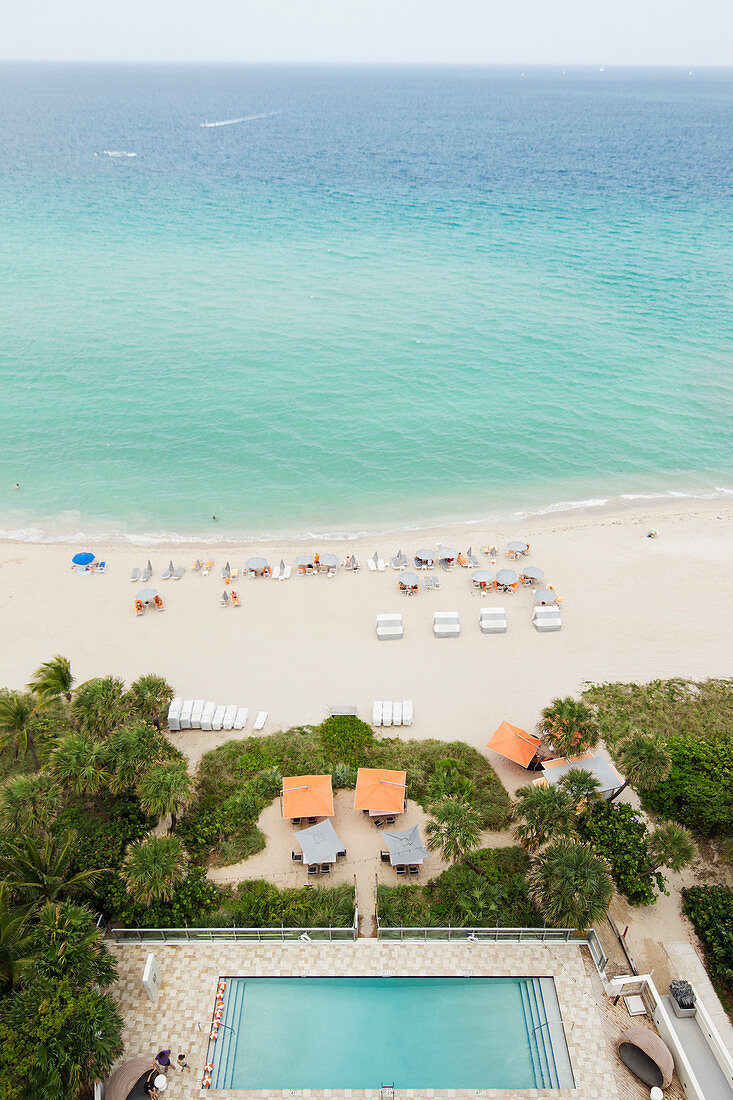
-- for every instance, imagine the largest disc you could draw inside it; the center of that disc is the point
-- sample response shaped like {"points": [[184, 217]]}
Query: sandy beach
{"points": [[633, 608]]}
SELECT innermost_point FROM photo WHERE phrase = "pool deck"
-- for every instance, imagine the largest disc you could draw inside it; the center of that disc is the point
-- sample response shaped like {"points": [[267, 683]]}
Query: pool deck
{"points": [[188, 985]]}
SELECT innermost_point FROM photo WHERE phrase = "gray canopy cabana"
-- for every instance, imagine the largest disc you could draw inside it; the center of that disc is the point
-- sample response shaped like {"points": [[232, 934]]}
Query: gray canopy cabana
{"points": [[408, 580], [517, 547], [329, 560], [305, 560], [481, 577], [256, 565], [320, 843], [447, 553], [127, 1079], [545, 595], [424, 557], [533, 572], [506, 576], [406, 847], [608, 777]]}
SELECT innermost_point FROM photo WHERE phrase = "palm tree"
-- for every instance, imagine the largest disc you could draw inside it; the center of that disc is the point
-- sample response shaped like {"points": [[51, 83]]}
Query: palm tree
{"points": [[134, 750], [571, 885], [38, 871], [154, 867], [165, 789], [645, 759], [150, 697], [29, 803], [68, 945], [99, 706], [582, 787], [79, 764], [455, 829], [548, 813], [15, 939], [671, 846], [53, 680], [16, 712], [571, 724]]}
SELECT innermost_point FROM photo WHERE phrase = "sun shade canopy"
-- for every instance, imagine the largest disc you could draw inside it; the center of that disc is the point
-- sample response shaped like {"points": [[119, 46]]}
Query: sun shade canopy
{"points": [[256, 564], [602, 769], [380, 791], [405, 847], [320, 843], [514, 743], [83, 558], [307, 796]]}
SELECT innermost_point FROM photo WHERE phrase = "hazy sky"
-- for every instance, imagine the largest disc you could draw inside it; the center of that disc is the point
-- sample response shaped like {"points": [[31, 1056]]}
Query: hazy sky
{"points": [[655, 32]]}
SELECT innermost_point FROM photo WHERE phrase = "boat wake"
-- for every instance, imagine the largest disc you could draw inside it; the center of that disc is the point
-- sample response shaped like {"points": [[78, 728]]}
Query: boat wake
{"points": [[234, 121], [117, 153]]}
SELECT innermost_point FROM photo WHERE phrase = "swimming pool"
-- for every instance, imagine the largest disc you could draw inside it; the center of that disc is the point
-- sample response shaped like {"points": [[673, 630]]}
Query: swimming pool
{"points": [[339, 1033]]}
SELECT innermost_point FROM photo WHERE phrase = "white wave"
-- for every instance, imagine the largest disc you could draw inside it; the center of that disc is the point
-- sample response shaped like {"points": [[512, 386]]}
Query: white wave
{"points": [[234, 121], [565, 506], [118, 153]]}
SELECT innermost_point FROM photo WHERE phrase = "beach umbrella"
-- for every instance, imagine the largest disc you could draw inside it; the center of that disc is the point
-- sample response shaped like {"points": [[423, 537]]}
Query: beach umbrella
{"points": [[147, 594], [305, 559], [405, 847], [257, 564], [446, 553], [534, 572], [84, 558], [320, 843], [329, 560], [514, 743], [481, 576], [425, 555], [545, 595], [506, 576], [409, 580], [517, 547]]}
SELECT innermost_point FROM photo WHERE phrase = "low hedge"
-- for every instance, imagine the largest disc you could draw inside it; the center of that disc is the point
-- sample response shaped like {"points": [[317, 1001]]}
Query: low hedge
{"points": [[710, 908]]}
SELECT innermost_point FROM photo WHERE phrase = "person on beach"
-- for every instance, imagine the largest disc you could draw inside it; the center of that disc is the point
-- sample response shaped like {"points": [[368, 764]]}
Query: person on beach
{"points": [[163, 1058]]}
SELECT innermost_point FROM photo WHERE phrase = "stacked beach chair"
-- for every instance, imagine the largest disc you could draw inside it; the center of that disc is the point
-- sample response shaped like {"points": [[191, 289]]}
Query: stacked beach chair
{"points": [[385, 713], [197, 714]]}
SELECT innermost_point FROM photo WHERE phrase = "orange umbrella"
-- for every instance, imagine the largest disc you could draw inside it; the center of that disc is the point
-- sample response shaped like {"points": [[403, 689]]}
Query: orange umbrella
{"points": [[514, 743], [380, 791], [307, 796]]}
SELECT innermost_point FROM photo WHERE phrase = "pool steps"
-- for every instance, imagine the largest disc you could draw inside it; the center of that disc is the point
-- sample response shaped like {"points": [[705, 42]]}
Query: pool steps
{"points": [[540, 1044], [226, 1045]]}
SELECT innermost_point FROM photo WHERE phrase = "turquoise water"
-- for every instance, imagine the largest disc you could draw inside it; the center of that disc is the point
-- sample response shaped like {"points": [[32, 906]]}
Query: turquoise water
{"points": [[410, 1032], [404, 296]]}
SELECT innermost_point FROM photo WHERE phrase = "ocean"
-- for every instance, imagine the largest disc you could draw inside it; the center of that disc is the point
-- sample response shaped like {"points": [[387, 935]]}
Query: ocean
{"points": [[367, 299]]}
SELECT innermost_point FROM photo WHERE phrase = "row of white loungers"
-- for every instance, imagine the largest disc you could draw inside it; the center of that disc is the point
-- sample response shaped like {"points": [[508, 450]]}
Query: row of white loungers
{"points": [[546, 618], [389, 627], [197, 714], [392, 714], [492, 620], [446, 624]]}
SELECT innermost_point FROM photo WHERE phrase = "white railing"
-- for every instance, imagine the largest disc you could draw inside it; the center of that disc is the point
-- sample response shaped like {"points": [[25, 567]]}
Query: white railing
{"points": [[234, 934], [588, 938]]}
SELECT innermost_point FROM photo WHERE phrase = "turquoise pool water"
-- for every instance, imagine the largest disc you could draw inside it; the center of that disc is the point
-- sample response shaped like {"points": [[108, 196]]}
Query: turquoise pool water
{"points": [[320, 1033]]}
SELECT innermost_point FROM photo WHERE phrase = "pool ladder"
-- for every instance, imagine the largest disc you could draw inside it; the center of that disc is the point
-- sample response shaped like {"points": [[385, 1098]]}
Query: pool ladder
{"points": [[386, 1092]]}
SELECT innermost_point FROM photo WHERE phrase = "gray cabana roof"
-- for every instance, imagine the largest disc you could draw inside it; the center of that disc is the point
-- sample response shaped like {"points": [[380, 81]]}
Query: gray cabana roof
{"points": [[517, 547], [534, 572], [598, 766], [506, 576], [482, 576], [409, 580], [406, 847], [424, 555], [329, 559], [147, 594], [320, 843], [258, 564], [305, 559], [545, 595], [446, 553]]}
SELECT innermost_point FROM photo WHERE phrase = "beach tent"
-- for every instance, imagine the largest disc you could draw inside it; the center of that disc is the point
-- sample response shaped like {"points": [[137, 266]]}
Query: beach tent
{"points": [[380, 791], [481, 577], [517, 547], [533, 572], [256, 565], [545, 595], [514, 743], [506, 576], [127, 1080], [307, 796], [84, 558], [406, 847], [320, 843]]}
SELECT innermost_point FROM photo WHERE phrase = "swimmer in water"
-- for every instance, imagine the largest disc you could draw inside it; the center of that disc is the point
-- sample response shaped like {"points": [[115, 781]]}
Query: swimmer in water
{"points": [[213, 517]]}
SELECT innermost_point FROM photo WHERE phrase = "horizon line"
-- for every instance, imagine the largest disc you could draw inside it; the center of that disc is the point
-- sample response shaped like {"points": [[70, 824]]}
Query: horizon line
{"points": [[291, 63]]}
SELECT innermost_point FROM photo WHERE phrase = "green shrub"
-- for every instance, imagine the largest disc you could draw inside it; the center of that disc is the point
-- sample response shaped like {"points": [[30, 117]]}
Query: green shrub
{"points": [[698, 792], [674, 707], [710, 908], [618, 832], [345, 739]]}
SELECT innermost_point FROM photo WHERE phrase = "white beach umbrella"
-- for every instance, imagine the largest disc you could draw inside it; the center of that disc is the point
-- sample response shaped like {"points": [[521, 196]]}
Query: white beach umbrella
{"points": [[545, 595], [506, 576], [517, 547], [534, 572]]}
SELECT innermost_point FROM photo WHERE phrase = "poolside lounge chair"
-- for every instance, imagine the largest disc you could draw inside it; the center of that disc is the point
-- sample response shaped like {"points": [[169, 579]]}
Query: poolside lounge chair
{"points": [[207, 716], [234, 597], [218, 720], [397, 563], [261, 719], [186, 711], [384, 856], [224, 599], [174, 714], [463, 561], [492, 620], [158, 601], [397, 714], [197, 711], [427, 584], [146, 573], [377, 713], [389, 627], [436, 583], [139, 609], [178, 573], [240, 718], [286, 573], [372, 565], [407, 712], [297, 857], [276, 572], [229, 715], [101, 567], [386, 714], [472, 560], [135, 575], [446, 624]]}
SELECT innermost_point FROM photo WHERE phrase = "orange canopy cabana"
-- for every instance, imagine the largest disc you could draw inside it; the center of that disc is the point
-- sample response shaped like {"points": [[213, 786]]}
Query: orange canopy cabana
{"points": [[514, 743], [307, 796], [380, 791]]}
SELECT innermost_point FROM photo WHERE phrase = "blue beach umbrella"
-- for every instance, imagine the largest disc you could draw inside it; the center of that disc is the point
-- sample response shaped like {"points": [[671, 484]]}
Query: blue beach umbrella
{"points": [[85, 558]]}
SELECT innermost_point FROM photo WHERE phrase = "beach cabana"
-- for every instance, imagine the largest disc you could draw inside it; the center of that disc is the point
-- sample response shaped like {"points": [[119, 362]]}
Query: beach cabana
{"points": [[320, 843], [424, 559], [482, 579], [406, 847], [305, 563], [256, 566], [515, 744], [609, 778], [306, 796], [380, 792], [545, 596], [408, 582]]}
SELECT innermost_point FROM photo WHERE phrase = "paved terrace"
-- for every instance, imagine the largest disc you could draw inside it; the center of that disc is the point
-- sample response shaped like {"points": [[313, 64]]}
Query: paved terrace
{"points": [[188, 985]]}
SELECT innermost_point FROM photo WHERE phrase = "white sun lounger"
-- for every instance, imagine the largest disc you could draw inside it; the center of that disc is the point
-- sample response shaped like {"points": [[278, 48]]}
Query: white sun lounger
{"points": [[198, 710], [101, 567], [386, 713], [186, 710], [146, 574], [389, 627], [207, 716], [229, 715], [276, 572], [166, 574], [174, 713], [261, 719], [397, 714], [135, 575], [492, 620], [377, 713], [218, 720], [178, 573], [240, 718], [407, 712], [372, 564], [446, 624], [287, 571]]}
